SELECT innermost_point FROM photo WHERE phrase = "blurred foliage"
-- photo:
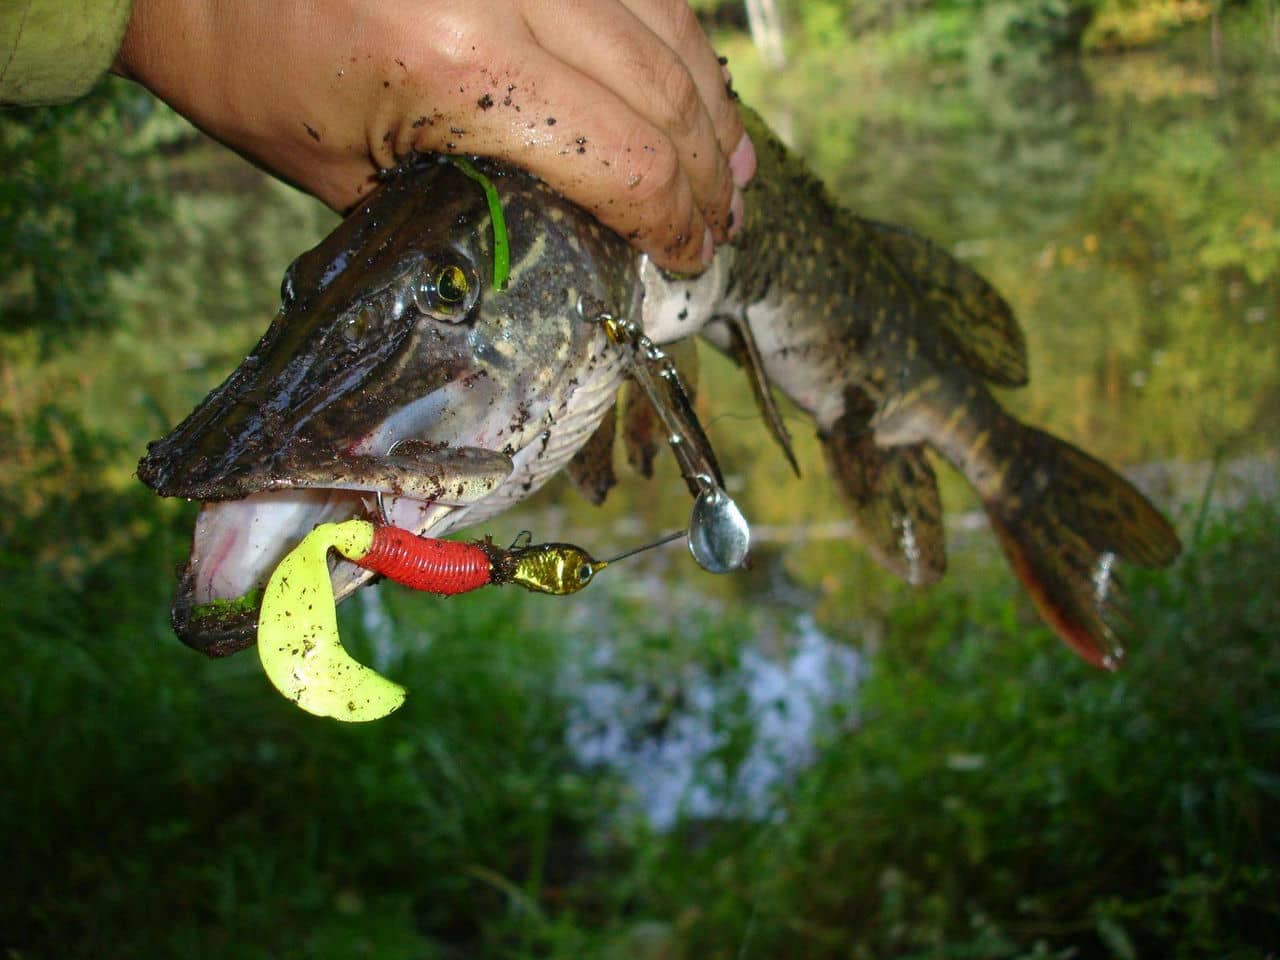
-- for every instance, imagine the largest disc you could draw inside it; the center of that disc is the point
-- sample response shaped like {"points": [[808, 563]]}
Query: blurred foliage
{"points": [[994, 798], [938, 31], [1125, 24], [72, 216], [935, 31], [1000, 801], [158, 804], [147, 268]]}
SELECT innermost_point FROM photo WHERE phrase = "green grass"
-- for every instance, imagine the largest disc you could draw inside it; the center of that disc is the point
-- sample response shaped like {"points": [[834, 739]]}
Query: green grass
{"points": [[1003, 800], [161, 805], [996, 799]]}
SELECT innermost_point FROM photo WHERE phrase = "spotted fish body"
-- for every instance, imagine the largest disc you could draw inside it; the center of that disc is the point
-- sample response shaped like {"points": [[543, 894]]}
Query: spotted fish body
{"points": [[891, 345], [367, 397]]}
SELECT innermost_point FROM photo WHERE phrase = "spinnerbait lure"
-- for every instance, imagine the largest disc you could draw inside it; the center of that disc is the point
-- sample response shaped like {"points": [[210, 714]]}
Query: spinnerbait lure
{"points": [[298, 639], [450, 567], [719, 535]]}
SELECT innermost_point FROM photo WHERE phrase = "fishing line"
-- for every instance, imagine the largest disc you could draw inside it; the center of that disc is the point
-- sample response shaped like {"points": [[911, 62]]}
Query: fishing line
{"points": [[751, 418], [670, 538]]}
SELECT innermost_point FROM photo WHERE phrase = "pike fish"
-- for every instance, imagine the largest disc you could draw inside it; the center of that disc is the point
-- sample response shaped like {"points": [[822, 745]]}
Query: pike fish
{"points": [[395, 383]]}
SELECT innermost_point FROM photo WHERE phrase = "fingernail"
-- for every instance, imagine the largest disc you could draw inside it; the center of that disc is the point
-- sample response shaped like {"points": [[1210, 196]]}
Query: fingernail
{"points": [[708, 247], [743, 162], [737, 210]]}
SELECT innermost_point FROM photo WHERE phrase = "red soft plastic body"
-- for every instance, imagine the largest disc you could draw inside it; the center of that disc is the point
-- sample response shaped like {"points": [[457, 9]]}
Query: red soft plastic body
{"points": [[444, 567]]}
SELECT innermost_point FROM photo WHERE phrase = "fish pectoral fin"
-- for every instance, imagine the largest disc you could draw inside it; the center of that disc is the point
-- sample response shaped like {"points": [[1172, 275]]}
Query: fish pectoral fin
{"points": [[893, 495], [967, 309], [743, 350], [640, 426], [591, 468], [415, 468]]}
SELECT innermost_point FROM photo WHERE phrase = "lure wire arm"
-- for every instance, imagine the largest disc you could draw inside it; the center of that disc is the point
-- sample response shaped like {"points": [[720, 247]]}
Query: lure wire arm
{"points": [[669, 538], [719, 535], [661, 382]]}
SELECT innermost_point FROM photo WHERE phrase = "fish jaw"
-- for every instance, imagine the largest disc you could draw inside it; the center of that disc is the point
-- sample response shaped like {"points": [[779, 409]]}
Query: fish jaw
{"points": [[237, 543]]}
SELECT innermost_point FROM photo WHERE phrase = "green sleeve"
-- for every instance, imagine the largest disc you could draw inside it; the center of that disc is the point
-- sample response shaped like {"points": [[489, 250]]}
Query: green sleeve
{"points": [[55, 50]]}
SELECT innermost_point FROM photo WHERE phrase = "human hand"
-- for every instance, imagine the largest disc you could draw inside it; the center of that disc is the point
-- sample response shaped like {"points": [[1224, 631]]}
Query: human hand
{"points": [[620, 105]]}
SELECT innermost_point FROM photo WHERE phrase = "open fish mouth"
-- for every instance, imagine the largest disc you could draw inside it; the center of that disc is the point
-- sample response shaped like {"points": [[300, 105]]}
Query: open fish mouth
{"points": [[248, 523], [258, 504], [400, 382]]}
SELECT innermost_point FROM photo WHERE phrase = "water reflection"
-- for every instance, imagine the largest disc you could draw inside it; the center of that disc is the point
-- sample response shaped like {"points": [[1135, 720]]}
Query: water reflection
{"points": [[1128, 207], [702, 739]]}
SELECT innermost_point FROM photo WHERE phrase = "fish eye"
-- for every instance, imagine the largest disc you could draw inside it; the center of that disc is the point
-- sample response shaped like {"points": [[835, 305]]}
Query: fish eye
{"points": [[447, 291], [585, 573], [452, 284]]}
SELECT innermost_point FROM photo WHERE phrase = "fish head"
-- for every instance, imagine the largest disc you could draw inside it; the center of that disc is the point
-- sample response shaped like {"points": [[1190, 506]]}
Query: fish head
{"points": [[397, 384]]}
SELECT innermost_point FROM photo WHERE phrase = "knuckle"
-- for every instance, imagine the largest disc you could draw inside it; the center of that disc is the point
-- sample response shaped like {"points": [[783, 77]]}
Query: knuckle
{"points": [[655, 174], [685, 29], [684, 252], [728, 124], [455, 42], [679, 100], [717, 214]]}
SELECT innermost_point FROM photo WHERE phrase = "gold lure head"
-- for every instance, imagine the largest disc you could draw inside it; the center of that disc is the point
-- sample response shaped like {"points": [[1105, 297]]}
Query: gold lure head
{"points": [[556, 568]]}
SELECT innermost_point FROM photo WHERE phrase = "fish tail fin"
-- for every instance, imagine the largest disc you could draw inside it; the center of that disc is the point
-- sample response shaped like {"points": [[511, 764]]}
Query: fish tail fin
{"points": [[1064, 518]]}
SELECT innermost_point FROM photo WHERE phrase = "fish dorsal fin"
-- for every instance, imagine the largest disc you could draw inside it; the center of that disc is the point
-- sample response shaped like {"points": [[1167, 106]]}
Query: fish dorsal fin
{"points": [[591, 468], [743, 350], [969, 311], [893, 495]]}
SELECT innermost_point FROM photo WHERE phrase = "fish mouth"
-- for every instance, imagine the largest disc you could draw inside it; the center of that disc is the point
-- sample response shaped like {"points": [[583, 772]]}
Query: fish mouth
{"points": [[248, 522]]}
